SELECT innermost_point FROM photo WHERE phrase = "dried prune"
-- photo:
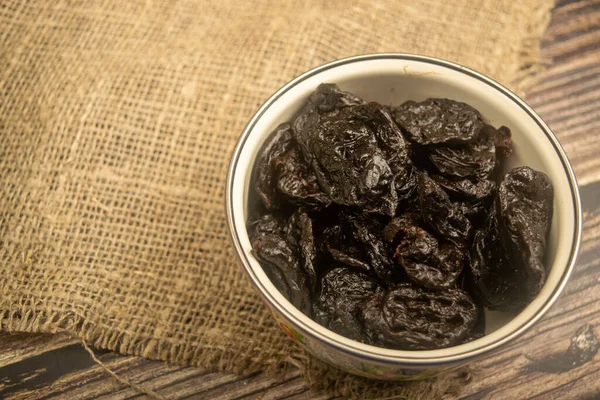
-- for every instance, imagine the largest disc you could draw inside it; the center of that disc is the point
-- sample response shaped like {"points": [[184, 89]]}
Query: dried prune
{"points": [[475, 160], [436, 121], [297, 183], [328, 98], [524, 215], [342, 293], [298, 233], [308, 247], [425, 261], [358, 155], [438, 212], [266, 224], [496, 282], [368, 232], [466, 189], [507, 268], [287, 251], [283, 268], [394, 148], [472, 198], [399, 224], [339, 243], [280, 141], [411, 318], [326, 101]]}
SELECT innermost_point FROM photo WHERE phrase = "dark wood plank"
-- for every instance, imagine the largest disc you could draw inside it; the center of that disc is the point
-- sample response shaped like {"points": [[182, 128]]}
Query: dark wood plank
{"points": [[567, 95], [17, 347], [568, 98], [69, 372]]}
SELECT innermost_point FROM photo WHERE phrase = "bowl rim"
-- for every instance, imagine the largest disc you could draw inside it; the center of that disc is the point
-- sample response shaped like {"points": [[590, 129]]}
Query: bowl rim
{"points": [[383, 355]]}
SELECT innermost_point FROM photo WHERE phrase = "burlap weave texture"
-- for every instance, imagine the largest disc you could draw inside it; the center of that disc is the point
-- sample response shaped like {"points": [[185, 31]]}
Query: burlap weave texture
{"points": [[117, 120]]}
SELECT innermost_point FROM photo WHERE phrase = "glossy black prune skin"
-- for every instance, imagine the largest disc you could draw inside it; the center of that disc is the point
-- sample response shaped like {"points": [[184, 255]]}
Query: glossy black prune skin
{"points": [[395, 149], [368, 232], [355, 240], [437, 121], [475, 160], [282, 267], [342, 293], [525, 210], [298, 232], [358, 155], [408, 317], [281, 175], [467, 190], [440, 214], [494, 280], [339, 243], [472, 198], [349, 165], [277, 144], [280, 258], [424, 260], [297, 183], [507, 257]]}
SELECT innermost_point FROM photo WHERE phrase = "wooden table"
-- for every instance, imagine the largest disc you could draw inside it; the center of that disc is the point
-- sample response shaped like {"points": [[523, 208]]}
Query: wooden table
{"points": [[568, 98]]}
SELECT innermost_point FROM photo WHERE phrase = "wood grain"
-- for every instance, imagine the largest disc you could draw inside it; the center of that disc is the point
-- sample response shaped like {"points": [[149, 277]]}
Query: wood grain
{"points": [[568, 98], [18, 347]]}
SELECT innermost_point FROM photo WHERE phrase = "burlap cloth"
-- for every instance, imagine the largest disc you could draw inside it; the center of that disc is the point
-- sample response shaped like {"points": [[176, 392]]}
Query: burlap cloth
{"points": [[117, 119]]}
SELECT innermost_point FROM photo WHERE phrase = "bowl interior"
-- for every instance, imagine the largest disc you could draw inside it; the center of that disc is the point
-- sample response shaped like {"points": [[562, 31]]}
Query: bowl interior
{"points": [[391, 81]]}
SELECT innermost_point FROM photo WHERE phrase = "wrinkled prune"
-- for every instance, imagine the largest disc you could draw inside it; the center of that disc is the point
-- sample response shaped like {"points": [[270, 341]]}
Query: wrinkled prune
{"points": [[438, 212], [283, 268], [466, 189], [395, 149], [436, 121], [525, 213], [328, 98], [476, 160], [297, 183], [339, 243], [411, 318], [472, 198], [266, 224], [277, 144], [388, 225], [358, 155], [368, 231], [350, 167], [308, 247], [342, 293], [298, 233], [426, 262], [495, 281], [507, 256]]}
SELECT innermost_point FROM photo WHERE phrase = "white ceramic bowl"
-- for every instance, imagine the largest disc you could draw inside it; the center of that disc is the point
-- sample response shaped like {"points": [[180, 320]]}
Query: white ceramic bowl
{"points": [[392, 79]]}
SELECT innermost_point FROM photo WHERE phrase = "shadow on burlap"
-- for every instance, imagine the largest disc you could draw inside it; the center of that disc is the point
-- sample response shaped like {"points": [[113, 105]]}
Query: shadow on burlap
{"points": [[116, 124]]}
